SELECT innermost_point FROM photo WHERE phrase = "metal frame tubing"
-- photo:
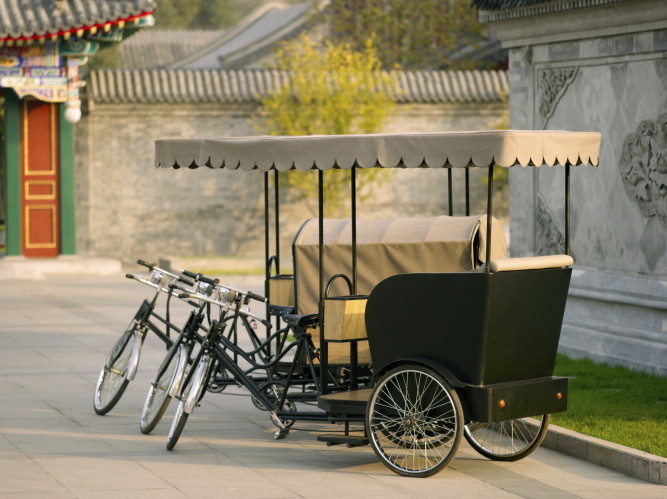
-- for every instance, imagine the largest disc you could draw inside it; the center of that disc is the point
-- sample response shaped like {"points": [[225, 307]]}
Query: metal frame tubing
{"points": [[567, 208], [467, 192], [449, 192], [324, 351], [489, 215], [267, 269]]}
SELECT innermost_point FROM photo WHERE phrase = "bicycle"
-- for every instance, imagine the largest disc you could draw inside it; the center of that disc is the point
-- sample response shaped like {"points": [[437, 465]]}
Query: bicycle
{"points": [[122, 362], [215, 351], [168, 378]]}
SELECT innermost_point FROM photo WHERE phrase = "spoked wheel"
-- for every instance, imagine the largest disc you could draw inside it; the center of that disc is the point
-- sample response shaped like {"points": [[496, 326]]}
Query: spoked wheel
{"points": [[166, 382], [414, 421], [112, 380], [508, 440], [192, 394]]}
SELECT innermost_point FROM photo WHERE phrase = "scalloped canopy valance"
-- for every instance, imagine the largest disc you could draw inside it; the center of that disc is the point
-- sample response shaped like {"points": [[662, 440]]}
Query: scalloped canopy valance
{"points": [[405, 150]]}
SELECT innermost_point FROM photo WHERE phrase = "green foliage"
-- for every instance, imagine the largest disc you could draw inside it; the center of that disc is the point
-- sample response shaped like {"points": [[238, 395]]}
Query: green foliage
{"points": [[108, 56], [188, 14], [615, 404], [332, 90], [412, 34]]}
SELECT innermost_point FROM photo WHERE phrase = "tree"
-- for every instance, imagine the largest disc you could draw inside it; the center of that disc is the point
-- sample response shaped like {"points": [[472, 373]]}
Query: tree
{"points": [[412, 34], [332, 90], [188, 14]]}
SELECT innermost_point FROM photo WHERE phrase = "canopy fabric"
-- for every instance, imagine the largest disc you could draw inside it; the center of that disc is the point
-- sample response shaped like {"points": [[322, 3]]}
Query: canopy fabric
{"points": [[405, 150], [386, 248]]}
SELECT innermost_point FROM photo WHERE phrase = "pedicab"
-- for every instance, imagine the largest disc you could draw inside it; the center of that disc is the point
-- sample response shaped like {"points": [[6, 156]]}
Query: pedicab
{"points": [[454, 354]]}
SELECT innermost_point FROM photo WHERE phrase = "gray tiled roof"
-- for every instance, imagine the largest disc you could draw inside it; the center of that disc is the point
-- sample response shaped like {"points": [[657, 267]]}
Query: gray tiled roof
{"points": [[27, 18], [252, 37], [499, 10], [191, 86], [154, 48]]}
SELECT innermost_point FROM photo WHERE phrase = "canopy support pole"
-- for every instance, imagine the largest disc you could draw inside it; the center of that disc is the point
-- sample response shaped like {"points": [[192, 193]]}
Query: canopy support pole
{"points": [[277, 198], [449, 192], [467, 192], [353, 178], [567, 208], [324, 353], [489, 215], [267, 269]]}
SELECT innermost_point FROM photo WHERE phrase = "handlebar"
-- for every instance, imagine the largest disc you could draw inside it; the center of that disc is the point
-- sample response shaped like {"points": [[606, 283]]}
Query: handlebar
{"points": [[220, 303]]}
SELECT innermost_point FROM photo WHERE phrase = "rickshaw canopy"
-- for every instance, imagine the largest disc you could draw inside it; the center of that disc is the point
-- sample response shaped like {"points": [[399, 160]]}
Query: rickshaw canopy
{"points": [[403, 150]]}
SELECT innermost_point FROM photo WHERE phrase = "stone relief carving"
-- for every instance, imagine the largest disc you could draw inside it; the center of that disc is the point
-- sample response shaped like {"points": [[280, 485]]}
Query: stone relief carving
{"points": [[549, 238], [526, 55], [643, 168], [551, 85]]}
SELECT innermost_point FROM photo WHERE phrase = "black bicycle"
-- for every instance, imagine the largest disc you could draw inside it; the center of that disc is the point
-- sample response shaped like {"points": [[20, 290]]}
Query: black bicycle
{"points": [[122, 362]]}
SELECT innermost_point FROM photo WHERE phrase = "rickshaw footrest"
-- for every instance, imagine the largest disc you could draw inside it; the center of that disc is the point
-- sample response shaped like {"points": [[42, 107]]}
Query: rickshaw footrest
{"points": [[349, 440]]}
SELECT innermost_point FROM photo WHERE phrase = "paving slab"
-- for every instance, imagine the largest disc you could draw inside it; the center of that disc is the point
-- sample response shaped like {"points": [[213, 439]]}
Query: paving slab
{"points": [[55, 333]]}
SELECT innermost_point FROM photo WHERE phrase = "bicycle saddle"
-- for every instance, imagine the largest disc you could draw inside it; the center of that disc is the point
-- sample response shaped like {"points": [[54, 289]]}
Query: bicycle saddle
{"points": [[281, 310], [302, 321]]}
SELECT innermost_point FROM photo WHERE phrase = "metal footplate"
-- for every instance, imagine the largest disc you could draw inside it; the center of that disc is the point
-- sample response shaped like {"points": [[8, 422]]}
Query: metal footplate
{"points": [[352, 402], [338, 439]]}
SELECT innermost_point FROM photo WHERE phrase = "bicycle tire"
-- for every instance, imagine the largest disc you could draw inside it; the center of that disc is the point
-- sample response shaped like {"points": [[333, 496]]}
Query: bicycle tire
{"points": [[177, 426], [159, 397], [414, 421], [507, 440], [193, 391], [112, 381]]}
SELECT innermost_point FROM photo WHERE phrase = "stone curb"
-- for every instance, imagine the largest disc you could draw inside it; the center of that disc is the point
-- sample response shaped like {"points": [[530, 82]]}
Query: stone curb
{"points": [[638, 464], [18, 267]]}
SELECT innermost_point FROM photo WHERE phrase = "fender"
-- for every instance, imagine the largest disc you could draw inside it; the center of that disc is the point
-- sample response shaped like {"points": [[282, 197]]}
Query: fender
{"points": [[198, 380], [180, 370], [439, 368], [133, 365]]}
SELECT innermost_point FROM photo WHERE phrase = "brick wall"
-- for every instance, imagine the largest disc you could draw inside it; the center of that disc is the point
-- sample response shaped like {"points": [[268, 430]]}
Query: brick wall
{"points": [[127, 209]]}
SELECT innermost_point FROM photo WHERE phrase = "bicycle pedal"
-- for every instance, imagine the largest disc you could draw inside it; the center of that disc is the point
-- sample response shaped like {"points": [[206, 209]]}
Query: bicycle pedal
{"points": [[281, 434]]}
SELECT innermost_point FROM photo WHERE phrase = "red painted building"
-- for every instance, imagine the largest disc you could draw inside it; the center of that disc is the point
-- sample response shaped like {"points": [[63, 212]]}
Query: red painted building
{"points": [[43, 44]]}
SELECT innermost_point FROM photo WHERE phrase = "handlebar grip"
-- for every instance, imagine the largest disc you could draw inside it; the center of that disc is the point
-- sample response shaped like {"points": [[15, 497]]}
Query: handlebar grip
{"points": [[146, 264], [189, 274], [186, 281], [256, 296], [207, 280], [129, 276]]}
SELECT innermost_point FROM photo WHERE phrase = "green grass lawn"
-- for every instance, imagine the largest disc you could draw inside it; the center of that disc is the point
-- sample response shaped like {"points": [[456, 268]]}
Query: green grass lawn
{"points": [[615, 404]]}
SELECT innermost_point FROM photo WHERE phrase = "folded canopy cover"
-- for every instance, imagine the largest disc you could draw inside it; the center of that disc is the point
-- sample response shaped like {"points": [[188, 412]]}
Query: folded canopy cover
{"points": [[404, 150]]}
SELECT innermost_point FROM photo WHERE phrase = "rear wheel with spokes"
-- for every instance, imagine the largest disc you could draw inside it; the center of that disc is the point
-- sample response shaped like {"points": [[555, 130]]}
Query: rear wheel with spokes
{"points": [[414, 421], [113, 380], [507, 440]]}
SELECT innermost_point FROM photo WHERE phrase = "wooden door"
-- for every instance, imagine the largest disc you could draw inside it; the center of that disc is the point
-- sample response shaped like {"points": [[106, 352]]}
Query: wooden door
{"points": [[39, 178]]}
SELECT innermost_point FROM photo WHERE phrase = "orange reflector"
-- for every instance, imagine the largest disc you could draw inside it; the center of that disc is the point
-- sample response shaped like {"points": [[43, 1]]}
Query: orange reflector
{"points": [[501, 403], [559, 395]]}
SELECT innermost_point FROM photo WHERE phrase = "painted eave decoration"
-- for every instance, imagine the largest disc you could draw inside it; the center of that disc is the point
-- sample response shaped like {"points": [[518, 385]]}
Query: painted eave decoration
{"points": [[26, 22]]}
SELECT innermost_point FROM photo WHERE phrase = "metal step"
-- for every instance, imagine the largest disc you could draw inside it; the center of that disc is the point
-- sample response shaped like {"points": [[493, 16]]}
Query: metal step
{"points": [[351, 402]]}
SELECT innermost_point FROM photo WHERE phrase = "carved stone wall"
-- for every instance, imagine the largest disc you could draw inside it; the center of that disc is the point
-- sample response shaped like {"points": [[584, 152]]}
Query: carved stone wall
{"points": [[614, 83]]}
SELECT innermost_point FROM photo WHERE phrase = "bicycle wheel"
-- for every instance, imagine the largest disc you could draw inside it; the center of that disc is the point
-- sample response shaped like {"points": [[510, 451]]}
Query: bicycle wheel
{"points": [[166, 382], [414, 421], [112, 380], [191, 396], [508, 440]]}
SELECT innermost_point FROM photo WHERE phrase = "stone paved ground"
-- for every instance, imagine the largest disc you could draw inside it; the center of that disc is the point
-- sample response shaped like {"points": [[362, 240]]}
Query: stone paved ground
{"points": [[54, 336]]}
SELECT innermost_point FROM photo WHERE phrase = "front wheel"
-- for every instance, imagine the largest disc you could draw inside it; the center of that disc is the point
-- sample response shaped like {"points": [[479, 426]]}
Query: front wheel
{"points": [[508, 440], [113, 377], [166, 383], [414, 421], [192, 394]]}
